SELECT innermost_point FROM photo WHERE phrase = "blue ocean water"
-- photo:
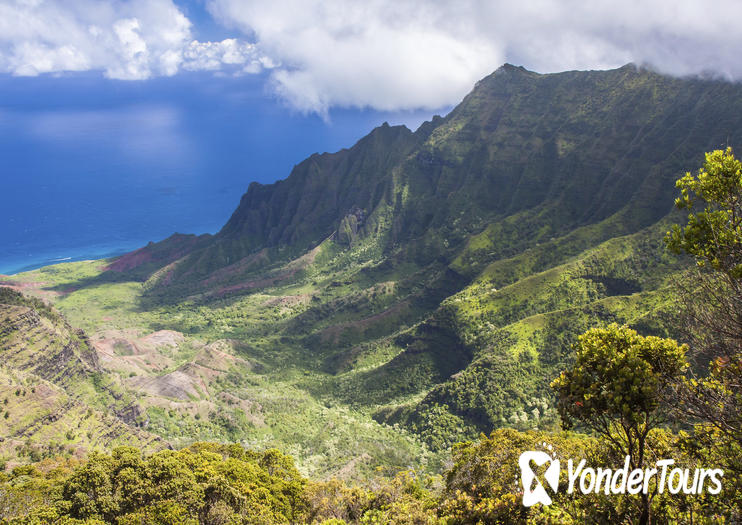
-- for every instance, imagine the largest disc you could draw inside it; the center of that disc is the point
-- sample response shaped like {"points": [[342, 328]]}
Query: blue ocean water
{"points": [[91, 167]]}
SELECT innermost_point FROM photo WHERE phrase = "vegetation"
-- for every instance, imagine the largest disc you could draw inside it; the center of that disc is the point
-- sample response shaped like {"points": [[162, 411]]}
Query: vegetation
{"points": [[214, 484], [615, 387], [386, 308], [712, 312], [433, 280]]}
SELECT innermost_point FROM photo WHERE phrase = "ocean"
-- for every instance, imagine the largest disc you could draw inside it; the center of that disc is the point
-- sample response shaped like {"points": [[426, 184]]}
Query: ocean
{"points": [[91, 168]]}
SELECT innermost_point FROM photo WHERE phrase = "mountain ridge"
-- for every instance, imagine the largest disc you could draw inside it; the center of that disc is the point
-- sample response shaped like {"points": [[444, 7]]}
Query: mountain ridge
{"points": [[430, 159], [428, 284]]}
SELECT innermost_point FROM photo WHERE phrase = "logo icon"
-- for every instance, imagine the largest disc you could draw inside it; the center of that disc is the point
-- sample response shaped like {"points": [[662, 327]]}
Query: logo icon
{"points": [[537, 494]]}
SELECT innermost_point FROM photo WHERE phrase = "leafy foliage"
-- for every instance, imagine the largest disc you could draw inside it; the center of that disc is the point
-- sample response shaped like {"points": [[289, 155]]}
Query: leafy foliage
{"points": [[618, 375], [615, 388], [205, 483], [713, 235], [711, 301], [217, 484]]}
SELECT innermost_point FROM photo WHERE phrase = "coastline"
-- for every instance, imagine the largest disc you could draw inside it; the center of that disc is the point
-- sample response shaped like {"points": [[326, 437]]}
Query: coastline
{"points": [[12, 268]]}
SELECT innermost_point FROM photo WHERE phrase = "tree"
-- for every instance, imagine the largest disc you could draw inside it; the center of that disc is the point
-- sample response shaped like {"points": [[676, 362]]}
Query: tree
{"points": [[713, 235], [616, 387], [712, 295], [711, 308]]}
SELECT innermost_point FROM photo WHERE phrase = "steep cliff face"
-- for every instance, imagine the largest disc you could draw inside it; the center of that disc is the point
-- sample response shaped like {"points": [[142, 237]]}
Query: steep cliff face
{"points": [[35, 338], [307, 207], [55, 395], [539, 155], [531, 156], [294, 215]]}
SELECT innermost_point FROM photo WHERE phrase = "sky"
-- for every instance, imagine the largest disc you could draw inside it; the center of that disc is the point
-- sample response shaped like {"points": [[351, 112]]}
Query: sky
{"points": [[122, 121], [383, 54]]}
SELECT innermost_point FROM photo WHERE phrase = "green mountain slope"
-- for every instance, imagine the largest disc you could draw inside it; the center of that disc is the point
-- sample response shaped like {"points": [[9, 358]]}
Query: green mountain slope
{"points": [[418, 287], [532, 156]]}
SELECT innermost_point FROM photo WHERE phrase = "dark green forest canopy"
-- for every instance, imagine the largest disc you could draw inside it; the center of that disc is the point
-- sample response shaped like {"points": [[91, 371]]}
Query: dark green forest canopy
{"points": [[209, 483]]}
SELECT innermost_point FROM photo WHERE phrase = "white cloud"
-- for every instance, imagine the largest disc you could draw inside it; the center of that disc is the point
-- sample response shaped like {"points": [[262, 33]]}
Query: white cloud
{"points": [[397, 54], [385, 54], [126, 39], [214, 55]]}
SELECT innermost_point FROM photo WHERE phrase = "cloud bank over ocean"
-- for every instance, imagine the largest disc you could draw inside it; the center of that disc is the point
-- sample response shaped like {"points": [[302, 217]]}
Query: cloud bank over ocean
{"points": [[383, 54]]}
